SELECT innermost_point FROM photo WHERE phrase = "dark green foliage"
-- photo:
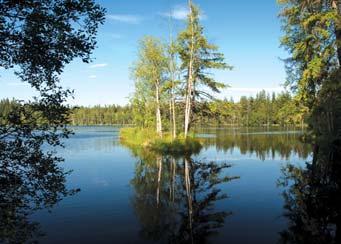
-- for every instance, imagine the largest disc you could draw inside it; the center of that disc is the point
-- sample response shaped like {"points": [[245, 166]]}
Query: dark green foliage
{"points": [[37, 39], [30, 177], [205, 57], [101, 115], [41, 36], [263, 110], [282, 110], [326, 115], [312, 37]]}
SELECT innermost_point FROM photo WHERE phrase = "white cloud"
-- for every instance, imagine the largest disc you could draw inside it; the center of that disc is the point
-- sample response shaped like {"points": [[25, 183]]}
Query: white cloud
{"points": [[92, 76], [98, 65], [125, 18], [180, 12]]}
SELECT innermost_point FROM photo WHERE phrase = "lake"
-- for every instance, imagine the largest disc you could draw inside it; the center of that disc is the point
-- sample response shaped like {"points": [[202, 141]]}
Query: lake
{"points": [[228, 193]]}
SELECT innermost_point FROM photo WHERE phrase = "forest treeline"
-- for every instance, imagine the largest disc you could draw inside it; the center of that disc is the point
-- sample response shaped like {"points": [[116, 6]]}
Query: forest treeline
{"points": [[264, 109]]}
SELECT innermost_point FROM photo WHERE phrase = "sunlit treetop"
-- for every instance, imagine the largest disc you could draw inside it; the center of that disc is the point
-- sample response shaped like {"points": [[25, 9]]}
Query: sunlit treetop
{"points": [[312, 37]]}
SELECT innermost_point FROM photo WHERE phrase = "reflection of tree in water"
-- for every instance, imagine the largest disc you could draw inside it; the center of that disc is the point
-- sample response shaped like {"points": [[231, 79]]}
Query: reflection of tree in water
{"points": [[264, 145], [174, 198], [30, 178], [313, 197], [28, 182]]}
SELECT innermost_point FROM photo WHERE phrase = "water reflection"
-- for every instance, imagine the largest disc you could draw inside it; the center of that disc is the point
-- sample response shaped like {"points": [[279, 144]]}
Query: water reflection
{"points": [[263, 144], [175, 198], [313, 198], [29, 181]]}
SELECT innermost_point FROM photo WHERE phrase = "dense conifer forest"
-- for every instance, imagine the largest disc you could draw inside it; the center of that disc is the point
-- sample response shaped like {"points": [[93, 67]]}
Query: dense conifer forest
{"points": [[262, 110]]}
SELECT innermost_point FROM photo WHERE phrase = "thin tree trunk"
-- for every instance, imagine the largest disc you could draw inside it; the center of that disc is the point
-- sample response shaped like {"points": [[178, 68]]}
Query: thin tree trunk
{"points": [[172, 101], [174, 117], [170, 116], [172, 184], [159, 163], [189, 197], [188, 105], [172, 68], [336, 4], [158, 111]]}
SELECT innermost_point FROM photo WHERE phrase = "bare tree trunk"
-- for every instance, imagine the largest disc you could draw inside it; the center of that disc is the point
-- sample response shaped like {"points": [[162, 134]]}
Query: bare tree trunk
{"points": [[173, 105], [158, 111], [189, 197], [159, 163], [336, 4], [188, 104], [172, 101], [172, 183], [172, 69], [173, 117]]}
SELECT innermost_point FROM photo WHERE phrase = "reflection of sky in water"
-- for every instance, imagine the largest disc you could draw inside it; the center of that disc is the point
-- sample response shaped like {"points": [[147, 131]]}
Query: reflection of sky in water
{"points": [[102, 211]]}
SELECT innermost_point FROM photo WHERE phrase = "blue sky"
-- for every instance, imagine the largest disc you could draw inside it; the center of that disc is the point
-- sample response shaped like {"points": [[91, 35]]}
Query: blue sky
{"points": [[247, 32]]}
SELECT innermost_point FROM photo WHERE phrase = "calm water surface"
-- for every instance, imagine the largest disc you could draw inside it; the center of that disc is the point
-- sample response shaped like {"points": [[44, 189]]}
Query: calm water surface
{"points": [[228, 193]]}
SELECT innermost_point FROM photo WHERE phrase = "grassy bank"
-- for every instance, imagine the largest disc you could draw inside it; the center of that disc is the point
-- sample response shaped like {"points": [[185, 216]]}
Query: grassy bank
{"points": [[148, 139]]}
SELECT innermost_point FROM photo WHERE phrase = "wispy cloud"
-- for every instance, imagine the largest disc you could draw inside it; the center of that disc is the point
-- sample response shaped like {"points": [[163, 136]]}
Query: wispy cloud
{"points": [[98, 65], [92, 76], [125, 18], [180, 12]]}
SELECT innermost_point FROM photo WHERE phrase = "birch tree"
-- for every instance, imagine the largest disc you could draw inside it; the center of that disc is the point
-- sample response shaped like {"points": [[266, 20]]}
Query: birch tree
{"points": [[172, 84], [150, 70]]}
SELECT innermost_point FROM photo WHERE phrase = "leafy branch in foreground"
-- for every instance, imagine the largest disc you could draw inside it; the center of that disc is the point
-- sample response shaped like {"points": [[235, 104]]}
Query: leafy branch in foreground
{"points": [[37, 39]]}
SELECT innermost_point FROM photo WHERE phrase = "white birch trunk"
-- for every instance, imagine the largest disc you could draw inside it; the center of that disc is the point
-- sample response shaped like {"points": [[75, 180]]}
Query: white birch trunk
{"points": [[172, 69], [188, 104], [189, 197], [158, 111], [159, 163]]}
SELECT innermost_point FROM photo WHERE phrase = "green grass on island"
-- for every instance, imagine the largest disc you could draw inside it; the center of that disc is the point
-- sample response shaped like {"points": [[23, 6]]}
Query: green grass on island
{"points": [[149, 139]]}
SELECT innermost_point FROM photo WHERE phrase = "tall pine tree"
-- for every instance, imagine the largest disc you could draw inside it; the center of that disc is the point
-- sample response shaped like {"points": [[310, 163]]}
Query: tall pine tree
{"points": [[197, 56]]}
